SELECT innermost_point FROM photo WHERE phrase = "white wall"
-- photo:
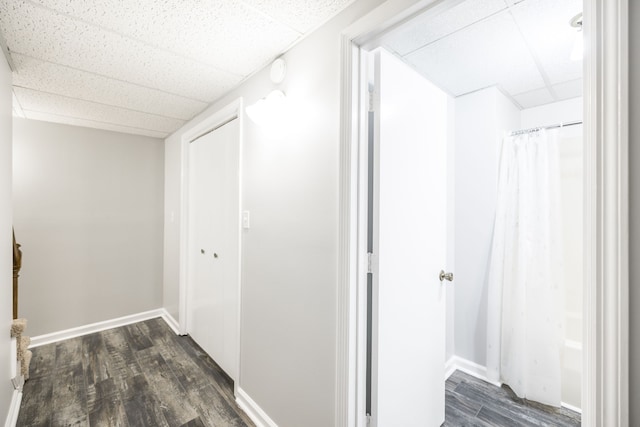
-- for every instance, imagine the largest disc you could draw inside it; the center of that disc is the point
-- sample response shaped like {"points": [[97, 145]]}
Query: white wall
{"points": [[6, 248], [634, 215], [88, 211], [289, 272], [481, 118]]}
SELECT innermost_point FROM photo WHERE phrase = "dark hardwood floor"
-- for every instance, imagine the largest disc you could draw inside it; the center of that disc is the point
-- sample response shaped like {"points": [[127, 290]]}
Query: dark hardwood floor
{"points": [[144, 375], [473, 402], [137, 375]]}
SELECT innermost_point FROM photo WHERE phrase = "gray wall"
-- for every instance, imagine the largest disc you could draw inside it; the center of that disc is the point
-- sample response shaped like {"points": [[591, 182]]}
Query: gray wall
{"points": [[6, 257], [289, 271], [634, 214], [88, 211]]}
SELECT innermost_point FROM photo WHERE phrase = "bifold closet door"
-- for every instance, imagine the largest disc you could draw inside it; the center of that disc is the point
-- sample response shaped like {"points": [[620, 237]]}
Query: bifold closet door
{"points": [[214, 243]]}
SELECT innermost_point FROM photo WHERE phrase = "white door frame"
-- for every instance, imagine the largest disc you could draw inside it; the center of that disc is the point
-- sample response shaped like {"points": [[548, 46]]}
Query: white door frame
{"points": [[605, 385], [234, 110]]}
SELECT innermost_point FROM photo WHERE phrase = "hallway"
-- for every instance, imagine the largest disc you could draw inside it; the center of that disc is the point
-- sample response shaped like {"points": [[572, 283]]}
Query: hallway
{"points": [[136, 375]]}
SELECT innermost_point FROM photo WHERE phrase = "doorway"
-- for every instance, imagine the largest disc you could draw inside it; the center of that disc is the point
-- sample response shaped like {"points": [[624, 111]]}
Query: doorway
{"points": [[361, 38]]}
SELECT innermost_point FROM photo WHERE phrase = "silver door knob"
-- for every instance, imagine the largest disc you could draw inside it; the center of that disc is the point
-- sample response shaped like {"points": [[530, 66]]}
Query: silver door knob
{"points": [[445, 276]]}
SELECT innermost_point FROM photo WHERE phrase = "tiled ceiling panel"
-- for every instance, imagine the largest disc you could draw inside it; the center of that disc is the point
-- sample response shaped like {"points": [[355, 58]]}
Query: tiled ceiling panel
{"points": [[32, 100], [58, 79], [55, 37], [545, 26], [485, 54], [144, 66], [195, 29], [570, 89], [534, 98], [75, 121], [301, 15], [521, 46], [428, 27]]}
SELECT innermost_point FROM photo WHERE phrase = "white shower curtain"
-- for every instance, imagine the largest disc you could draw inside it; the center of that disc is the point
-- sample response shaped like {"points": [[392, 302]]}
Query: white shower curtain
{"points": [[525, 333]]}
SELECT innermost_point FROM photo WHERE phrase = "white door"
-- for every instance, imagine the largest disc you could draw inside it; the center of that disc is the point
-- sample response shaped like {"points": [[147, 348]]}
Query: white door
{"points": [[408, 299], [214, 245]]}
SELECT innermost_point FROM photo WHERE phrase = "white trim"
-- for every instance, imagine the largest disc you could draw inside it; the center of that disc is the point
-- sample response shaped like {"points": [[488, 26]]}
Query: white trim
{"points": [[606, 314], [605, 388], [66, 334], [251, 408], [14, 409], [457, 363], [223, 115], [571, 407], [170, 321], [449, 367]]}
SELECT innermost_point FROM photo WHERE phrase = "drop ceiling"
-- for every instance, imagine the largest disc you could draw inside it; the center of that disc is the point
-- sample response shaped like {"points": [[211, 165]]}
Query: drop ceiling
{"points": [[522, 47], [148, 66], [143, 66]]}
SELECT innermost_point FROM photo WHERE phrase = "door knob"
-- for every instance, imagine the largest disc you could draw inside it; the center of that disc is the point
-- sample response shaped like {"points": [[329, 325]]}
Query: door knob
{"points": [[445, 276]]}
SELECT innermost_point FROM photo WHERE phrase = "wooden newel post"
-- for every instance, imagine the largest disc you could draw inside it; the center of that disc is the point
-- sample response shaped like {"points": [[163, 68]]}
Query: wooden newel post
{"points": [[17, 264]]}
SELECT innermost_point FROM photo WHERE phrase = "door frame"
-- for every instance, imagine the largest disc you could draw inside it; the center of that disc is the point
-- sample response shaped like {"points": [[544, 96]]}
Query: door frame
{"points": [[605, 373], [232, 111]]}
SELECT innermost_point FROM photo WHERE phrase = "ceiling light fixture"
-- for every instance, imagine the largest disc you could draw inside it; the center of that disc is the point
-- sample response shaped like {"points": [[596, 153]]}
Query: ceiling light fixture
{"points": [[578, 45]]}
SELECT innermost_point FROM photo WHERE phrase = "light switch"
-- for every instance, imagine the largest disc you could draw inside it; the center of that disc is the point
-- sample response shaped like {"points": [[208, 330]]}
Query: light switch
{"points": [[246, 220]]}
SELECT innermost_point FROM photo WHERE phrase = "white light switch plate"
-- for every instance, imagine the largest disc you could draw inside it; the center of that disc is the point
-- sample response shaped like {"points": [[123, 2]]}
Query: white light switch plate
{"points": [[246, 220]]}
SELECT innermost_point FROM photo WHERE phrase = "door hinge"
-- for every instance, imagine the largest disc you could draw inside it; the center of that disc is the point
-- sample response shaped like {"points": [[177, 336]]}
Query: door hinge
{"points": [[369, 262], [371, 101], [368, 419]]}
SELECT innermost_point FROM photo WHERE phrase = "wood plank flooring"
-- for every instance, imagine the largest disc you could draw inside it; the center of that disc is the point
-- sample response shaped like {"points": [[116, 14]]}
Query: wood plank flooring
{"points": [[135, 375], [144, 375], [473, 402]]}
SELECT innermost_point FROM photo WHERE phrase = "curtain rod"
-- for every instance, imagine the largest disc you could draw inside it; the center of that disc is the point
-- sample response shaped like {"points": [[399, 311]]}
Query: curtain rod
{"points": [[559, 125]]}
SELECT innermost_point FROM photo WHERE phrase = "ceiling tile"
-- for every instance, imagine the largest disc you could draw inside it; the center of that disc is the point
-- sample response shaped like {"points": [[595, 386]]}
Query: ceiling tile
{"points": [[44, 76], [489, 53], [534, 98], [301, 15], [545, 26], [32, 100], [74, 121], [39, 33], [427, 28], [568, 90], [226, 35]]}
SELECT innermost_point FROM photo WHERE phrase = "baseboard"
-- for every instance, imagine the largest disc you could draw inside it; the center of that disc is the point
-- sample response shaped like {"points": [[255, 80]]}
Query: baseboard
{"points": [[571, 407], [14, 409], [97, 327], [257, 415], [170, 321], [449, 367], [457, 363]]}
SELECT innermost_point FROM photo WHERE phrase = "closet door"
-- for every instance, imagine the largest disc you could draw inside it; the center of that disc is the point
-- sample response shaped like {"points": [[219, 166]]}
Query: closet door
{"points": [[409, 231], [214, 245]]}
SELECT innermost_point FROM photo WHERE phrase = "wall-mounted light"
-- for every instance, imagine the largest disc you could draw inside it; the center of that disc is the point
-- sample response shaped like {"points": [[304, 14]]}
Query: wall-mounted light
{"points": [[270, 108], [578, 44]]}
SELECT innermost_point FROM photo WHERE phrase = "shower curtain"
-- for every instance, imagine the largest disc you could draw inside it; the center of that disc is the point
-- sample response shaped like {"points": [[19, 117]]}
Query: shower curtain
{"points": [[525, 333]]}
